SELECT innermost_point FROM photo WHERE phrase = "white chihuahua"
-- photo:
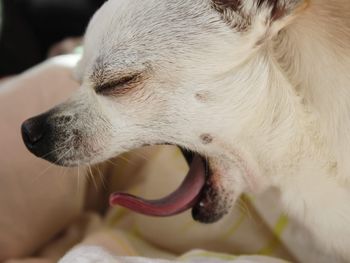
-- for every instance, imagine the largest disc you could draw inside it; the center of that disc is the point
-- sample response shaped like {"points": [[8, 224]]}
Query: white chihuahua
{"points": [[257, 90]]}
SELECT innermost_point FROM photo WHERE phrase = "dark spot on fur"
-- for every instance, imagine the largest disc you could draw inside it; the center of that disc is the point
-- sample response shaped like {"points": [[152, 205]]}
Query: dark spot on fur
{"points": [[220, 5], [278, 9], [202, 96], [206, 138], [234, 15], [240, 21]]}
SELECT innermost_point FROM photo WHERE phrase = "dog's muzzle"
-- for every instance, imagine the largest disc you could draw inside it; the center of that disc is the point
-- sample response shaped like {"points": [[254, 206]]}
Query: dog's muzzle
{"points": [[201, 191]]}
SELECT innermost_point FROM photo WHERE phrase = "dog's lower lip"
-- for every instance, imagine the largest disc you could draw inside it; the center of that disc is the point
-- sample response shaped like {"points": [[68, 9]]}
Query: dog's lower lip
{"points": [[184, 198]]}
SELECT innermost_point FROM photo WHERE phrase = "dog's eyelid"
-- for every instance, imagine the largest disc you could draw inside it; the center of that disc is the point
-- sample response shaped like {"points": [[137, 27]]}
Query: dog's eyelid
{"points": [[110, 86]]}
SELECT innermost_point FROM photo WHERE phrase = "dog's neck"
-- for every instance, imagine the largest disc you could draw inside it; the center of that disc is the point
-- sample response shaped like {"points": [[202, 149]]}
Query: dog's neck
{"points": [[313, 53], [297, 138], [309, 72], [308, 78], [303, 72]]}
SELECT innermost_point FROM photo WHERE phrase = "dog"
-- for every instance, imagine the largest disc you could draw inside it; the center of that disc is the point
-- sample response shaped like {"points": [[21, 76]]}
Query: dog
{"points": [[256, 92]]}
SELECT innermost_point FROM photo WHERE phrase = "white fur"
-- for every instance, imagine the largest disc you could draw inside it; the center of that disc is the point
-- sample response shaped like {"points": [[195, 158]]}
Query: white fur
{"points": [[279, 111]]}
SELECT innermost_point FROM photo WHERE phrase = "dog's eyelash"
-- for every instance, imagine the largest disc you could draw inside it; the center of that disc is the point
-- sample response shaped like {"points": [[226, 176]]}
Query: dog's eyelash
{"points": [[109, 87]]}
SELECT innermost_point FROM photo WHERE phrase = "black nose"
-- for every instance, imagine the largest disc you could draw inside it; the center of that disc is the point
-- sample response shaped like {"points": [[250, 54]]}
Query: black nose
{"points": [[35, 132], [32, 132]]}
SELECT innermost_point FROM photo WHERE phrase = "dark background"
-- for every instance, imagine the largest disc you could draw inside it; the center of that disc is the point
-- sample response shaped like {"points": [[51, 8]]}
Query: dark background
{"points": [[30, 27]]}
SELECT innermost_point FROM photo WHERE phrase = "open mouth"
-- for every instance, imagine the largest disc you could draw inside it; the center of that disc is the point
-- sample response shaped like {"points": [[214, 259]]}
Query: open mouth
{"points": [[196, 191]]}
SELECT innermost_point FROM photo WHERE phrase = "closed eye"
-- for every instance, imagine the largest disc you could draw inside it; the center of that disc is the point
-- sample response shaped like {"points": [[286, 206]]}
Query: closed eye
{"points": [[111, 87]]}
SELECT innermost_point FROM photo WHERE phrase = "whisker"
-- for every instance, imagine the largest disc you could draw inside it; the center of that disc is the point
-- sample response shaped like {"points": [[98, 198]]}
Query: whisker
{"points": [[92, 177], [127, 160], [36, 178], [78, 183], [244, 207], [63, 173], [51, 165], [56, 150], [142, 156], [62, 156], [102, 178], [113, 163]]}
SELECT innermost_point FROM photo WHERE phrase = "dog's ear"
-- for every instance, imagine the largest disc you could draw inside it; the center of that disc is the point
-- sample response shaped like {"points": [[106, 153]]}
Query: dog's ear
{"points": [[243, 15]]}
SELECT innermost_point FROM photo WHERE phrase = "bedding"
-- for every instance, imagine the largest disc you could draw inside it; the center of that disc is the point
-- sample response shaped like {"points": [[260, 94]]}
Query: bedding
{"points": [[256, 226]]}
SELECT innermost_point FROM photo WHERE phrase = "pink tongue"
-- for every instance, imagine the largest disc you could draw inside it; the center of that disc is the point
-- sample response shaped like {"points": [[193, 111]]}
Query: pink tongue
{"points": [[179, 201]]}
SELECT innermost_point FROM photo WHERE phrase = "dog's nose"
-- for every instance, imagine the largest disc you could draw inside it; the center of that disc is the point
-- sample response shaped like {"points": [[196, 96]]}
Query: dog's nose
{"points": [[34, 132]]}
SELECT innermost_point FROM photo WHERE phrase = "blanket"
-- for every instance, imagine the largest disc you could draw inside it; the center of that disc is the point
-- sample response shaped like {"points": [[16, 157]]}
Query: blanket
{"points": [[256, 226]]}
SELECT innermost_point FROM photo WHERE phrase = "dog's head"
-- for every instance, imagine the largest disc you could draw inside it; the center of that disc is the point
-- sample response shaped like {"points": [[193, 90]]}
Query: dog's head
{"points": [[189, 73]]}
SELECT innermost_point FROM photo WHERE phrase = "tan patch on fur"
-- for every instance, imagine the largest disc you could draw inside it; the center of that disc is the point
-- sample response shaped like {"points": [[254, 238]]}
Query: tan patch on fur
{"points": [[305, 5]]}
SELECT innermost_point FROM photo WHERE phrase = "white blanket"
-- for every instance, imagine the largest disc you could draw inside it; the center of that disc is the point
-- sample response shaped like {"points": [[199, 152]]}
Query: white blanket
{"points": [[89, 254]]}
